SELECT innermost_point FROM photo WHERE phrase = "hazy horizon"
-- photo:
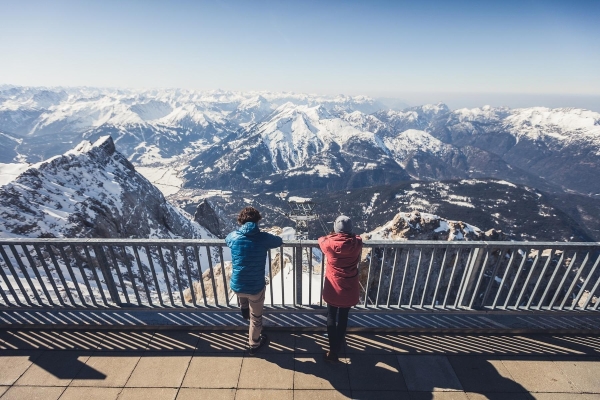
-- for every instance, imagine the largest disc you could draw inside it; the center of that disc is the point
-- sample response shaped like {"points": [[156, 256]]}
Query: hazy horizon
{"points": [[460, 49], [405, 100]]}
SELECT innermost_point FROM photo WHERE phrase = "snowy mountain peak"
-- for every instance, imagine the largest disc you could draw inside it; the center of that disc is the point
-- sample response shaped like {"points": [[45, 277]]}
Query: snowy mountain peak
{"points": [[104, 146]]}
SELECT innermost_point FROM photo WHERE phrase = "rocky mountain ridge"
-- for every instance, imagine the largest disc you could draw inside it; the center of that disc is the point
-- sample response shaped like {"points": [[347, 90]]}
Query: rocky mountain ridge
{"points": [[90, 191]]}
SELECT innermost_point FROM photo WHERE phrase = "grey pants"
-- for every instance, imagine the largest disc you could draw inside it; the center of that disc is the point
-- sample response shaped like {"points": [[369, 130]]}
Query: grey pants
{"points": [[256, 304]]}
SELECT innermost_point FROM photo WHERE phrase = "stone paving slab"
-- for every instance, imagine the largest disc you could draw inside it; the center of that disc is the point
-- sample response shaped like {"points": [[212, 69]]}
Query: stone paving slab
{"points": [[160, 369], [14, 363], [114, 369], [212, 394], [95, 393], [428, 373], [148, 393], [271, 371], [375, 372], [313, 372], [213, 371], [33, 393], [538, 374], [584, 373]]}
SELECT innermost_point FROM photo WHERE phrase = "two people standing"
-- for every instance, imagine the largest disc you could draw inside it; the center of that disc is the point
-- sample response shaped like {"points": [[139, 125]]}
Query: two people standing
{"points": [[341, 289]]}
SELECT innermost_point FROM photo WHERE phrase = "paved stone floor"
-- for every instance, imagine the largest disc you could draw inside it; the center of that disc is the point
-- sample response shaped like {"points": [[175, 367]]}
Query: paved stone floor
{"points": [[214, 365]]}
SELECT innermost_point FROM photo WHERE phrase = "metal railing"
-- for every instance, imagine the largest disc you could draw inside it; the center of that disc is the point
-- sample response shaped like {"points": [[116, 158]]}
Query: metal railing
{"points": [[431, 275]]}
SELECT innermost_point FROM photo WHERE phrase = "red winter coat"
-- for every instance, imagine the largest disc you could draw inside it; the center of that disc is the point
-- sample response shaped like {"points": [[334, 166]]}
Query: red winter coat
{"points": [[341, 287]]}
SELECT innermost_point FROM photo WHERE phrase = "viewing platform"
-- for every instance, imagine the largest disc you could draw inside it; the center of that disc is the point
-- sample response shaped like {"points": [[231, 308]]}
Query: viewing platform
{"points": [[116, 319]]}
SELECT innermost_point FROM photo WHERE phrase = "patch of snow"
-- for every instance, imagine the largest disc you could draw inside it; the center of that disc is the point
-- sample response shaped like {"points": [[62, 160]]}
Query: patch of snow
{"points": [[8, 172]]}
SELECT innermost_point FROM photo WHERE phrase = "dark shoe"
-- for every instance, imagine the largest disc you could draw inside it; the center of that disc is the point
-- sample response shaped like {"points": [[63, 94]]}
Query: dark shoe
{"points": [[246, 313], [330, 357], [263, 341]]}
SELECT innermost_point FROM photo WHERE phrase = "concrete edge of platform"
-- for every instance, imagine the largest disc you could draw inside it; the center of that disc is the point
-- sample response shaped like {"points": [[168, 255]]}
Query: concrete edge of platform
{"points": [[500, 322]]}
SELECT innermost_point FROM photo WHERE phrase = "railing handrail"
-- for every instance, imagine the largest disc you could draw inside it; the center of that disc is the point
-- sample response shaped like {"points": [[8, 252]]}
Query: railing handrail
{"points": [[368, 243]]}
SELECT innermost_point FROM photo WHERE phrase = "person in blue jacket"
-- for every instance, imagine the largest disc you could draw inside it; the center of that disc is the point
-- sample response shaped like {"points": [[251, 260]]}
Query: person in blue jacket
{"points": [[249, 248]]}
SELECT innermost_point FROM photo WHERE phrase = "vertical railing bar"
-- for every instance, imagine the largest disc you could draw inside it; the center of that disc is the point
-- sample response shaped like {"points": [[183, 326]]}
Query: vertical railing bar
{"points": [[493, 277], [465, 277], [372, 255], [119, 274], [456, 260], [294, 283], [155, 279], [433, 250], [323, 275], [79, 265], [163, 265], [384, 249], [37, 274], [539, 281], [269, 260], [592, 272], [96, 277], [25, 273], [563, 280], [212, 275], [154, 276], [504, 276], [281, 265], [9, 285], [514, 282], [408, 251], [392, 277], [427, 278], [131, 276], [143, 275], [36, 247], [412, 292], [104, 267], [60, 274], [480, 278], [554, 273], [186, 265], [570, 290], [310, 276], [197, 254], [529, 275], [225, 289], [74, 281], [439, 279], [177, 277]]}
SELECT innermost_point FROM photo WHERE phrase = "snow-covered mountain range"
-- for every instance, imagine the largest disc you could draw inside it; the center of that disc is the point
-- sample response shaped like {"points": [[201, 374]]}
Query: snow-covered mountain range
{"points": [[266, 141], [241, 145]]}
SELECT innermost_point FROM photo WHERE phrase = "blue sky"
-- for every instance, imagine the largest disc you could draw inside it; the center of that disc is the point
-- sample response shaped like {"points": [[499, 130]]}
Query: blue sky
{"points": [[418, 51]]}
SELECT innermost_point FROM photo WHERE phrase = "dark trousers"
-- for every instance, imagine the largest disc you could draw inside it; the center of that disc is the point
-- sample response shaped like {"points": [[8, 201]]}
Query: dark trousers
{"points": [[336, 330]]}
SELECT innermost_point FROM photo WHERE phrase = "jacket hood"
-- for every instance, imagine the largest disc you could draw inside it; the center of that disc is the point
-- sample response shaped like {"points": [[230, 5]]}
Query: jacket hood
{"points": [[249, 229], [342, 243]]}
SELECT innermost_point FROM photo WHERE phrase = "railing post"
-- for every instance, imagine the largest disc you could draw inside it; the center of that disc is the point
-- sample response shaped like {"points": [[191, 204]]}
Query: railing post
{"points": [[298, 275]]}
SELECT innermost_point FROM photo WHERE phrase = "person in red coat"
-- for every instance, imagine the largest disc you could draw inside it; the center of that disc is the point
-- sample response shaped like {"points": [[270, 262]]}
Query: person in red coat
{"points": [[341, 288]]}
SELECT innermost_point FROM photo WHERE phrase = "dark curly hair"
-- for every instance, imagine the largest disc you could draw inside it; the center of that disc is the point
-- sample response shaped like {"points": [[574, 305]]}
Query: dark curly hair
{"points": [[248, 214]]}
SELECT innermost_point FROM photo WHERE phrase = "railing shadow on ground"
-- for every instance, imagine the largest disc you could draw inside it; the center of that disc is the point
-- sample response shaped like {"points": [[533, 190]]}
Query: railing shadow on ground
{"points": [[393, 363]]}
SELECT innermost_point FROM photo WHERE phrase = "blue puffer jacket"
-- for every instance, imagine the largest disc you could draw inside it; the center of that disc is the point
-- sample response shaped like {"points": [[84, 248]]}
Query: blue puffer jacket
{"points": [[248, 254]]}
